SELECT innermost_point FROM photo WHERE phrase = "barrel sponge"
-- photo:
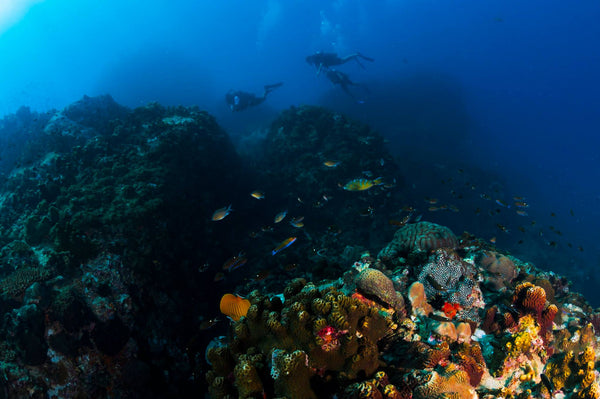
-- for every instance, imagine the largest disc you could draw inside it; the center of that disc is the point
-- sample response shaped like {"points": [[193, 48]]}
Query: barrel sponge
{"points": [[419, 237], [529, 297]]}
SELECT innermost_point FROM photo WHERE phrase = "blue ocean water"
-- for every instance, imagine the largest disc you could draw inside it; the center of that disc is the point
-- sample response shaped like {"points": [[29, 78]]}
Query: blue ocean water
{"points": [[504, 92]]}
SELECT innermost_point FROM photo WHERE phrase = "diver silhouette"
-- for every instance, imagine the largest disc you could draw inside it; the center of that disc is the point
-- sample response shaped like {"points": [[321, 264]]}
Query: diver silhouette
{"points": [[340, 78], [326, 60], [240, 100]]}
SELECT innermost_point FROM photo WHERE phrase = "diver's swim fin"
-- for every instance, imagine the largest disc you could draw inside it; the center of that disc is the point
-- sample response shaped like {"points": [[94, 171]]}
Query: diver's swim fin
{"points": [[366, 58], [270, 88]]}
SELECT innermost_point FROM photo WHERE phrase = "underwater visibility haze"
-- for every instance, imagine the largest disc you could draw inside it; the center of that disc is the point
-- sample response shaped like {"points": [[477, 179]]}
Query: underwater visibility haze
{"points": [[299, 199]]}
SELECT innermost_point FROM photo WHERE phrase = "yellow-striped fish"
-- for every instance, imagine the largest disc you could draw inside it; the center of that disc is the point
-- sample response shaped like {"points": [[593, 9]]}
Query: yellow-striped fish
{"points": [[362, 184], [280, 216], [257, 194], [221, 213], [331, 164], [234, 306], [284, 244]]}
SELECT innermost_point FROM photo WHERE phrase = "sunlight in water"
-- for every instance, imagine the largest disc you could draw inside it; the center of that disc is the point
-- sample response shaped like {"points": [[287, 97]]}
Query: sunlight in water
{"points": [[11, 11]]}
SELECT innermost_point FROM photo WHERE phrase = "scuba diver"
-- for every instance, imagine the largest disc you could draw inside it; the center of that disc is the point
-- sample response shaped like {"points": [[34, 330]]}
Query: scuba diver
{"points": [[326, 60], [240, 100], [340, 78]]}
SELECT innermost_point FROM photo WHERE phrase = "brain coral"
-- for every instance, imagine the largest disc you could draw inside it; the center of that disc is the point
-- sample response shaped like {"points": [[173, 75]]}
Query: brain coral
{"points": [[374, 282], [419, 237]]}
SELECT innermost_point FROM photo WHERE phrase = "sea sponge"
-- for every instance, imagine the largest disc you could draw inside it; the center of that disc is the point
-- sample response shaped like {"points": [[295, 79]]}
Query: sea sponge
{"points": [[374, 282], [500, 269], [446, 272], [590, 392], [558, 369], [529, 297], [418, 300], [418, 237]]}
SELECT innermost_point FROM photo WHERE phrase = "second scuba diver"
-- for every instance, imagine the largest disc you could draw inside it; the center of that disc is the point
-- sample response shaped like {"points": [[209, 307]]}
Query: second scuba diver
{"points": [[240, 100]]}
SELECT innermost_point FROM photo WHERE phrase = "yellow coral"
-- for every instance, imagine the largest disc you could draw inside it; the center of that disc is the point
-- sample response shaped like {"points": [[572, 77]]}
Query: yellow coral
{"points": [[247, 381]]}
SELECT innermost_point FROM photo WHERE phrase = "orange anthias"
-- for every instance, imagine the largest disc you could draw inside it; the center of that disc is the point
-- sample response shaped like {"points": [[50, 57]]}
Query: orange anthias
{"points": [[450, 309]]}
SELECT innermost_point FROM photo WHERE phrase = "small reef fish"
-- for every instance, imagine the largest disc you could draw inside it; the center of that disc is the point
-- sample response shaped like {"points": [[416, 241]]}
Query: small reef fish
{"points": [[368, 211], [233, 306], [362, 184], [297, 222], [431, 201], [521, 212], [521, 204], [221, 213], [209, 323], [219, 277], [261, 275], [400, 222], [204, 267], [331, 164], [284, 244], [502, 203], [493, 240], [257, 194], [502, 227], [280, 216], [290, 267], [235, 262]]}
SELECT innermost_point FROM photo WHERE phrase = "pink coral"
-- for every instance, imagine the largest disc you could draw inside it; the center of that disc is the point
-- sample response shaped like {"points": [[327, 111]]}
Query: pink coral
{"points": [[328, 338]]}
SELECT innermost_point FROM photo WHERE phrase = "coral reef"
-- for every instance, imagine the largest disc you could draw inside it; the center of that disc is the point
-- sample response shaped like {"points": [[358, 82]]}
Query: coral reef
{"points": [[314, 333], [478, 326]]}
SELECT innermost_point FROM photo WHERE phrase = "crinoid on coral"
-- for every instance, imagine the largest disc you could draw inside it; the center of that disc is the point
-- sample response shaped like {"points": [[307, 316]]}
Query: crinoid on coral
{"points": [[470, 359], [420, 237], [373, 282], [316, 332]]}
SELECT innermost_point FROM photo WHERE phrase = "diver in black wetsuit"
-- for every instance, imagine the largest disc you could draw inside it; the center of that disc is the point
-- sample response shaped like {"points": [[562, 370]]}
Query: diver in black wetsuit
{"points": [[340, 78], [326, 60], [240, 100]]}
